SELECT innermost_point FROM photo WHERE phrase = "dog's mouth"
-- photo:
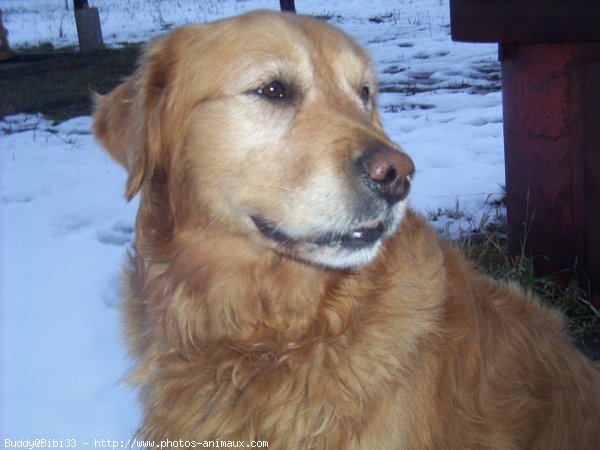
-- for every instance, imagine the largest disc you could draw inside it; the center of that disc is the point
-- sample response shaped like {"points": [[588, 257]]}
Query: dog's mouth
{"points": [[341, 246], [364, 236]]}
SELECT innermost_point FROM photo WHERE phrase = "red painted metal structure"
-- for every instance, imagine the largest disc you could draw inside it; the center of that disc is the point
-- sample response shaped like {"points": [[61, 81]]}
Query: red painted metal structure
{"points": [[550, 58]]}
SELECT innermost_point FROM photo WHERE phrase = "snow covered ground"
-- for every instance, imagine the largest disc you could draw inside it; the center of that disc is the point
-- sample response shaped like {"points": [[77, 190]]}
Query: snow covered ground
{"points": [[65, 226]]}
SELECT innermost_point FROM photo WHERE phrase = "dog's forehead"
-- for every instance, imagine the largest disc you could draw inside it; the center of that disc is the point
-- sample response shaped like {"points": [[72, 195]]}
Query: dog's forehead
{"points": [[326, 38], [304, 42], [333, 47], [239, 54], [269, 35]]}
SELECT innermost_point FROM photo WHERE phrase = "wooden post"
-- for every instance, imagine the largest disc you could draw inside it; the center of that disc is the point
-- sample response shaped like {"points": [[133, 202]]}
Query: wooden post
{"points": [[552, 154], [89, 30], [287, 5], [5, 51], [550, 57]]}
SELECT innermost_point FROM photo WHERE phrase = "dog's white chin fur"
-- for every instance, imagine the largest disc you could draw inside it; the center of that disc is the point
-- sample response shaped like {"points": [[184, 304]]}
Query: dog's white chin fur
{"points": [[338, 257]]}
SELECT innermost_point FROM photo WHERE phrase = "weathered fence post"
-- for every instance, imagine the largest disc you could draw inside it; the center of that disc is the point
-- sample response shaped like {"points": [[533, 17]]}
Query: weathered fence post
{"points": [[287, 5], [89, 30], [5, 51]]}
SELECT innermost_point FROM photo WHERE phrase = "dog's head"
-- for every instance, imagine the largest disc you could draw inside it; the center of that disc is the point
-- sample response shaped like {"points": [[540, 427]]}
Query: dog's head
{"points": [[263, 126]]}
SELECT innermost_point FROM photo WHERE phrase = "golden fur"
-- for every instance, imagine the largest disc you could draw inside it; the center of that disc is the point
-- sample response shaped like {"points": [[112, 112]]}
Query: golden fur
{"points": [[254, 306]]}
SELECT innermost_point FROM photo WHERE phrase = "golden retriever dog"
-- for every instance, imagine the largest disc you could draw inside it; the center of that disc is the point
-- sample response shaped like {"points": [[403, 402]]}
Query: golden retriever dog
{"points": [[281, 290]]}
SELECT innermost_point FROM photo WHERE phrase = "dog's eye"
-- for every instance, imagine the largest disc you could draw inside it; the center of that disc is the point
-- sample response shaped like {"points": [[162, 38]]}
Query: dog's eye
{"points": [[365, 94], [274, 90]]}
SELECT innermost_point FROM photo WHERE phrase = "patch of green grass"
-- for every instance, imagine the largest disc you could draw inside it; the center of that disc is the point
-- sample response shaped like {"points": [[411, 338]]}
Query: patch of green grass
{"points": [[59, 84]]}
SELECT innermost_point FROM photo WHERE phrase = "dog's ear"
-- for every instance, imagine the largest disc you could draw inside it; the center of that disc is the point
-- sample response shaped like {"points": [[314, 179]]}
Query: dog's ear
{"points": [[126, 120]]}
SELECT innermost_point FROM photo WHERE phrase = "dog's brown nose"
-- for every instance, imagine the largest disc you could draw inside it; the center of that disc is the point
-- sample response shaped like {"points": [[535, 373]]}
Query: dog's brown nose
{"points": [[387, 171]]}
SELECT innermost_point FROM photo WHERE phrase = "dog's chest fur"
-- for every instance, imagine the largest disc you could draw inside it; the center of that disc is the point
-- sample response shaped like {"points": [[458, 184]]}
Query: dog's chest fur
{"points": [[257, 350]]}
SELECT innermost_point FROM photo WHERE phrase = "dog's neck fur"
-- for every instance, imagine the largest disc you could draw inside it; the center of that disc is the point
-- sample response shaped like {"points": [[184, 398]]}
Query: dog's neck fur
{"points": [[263, 297]]}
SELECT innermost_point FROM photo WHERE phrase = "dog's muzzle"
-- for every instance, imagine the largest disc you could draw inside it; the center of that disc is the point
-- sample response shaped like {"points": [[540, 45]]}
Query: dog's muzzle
{"points": [[381, 181]]}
